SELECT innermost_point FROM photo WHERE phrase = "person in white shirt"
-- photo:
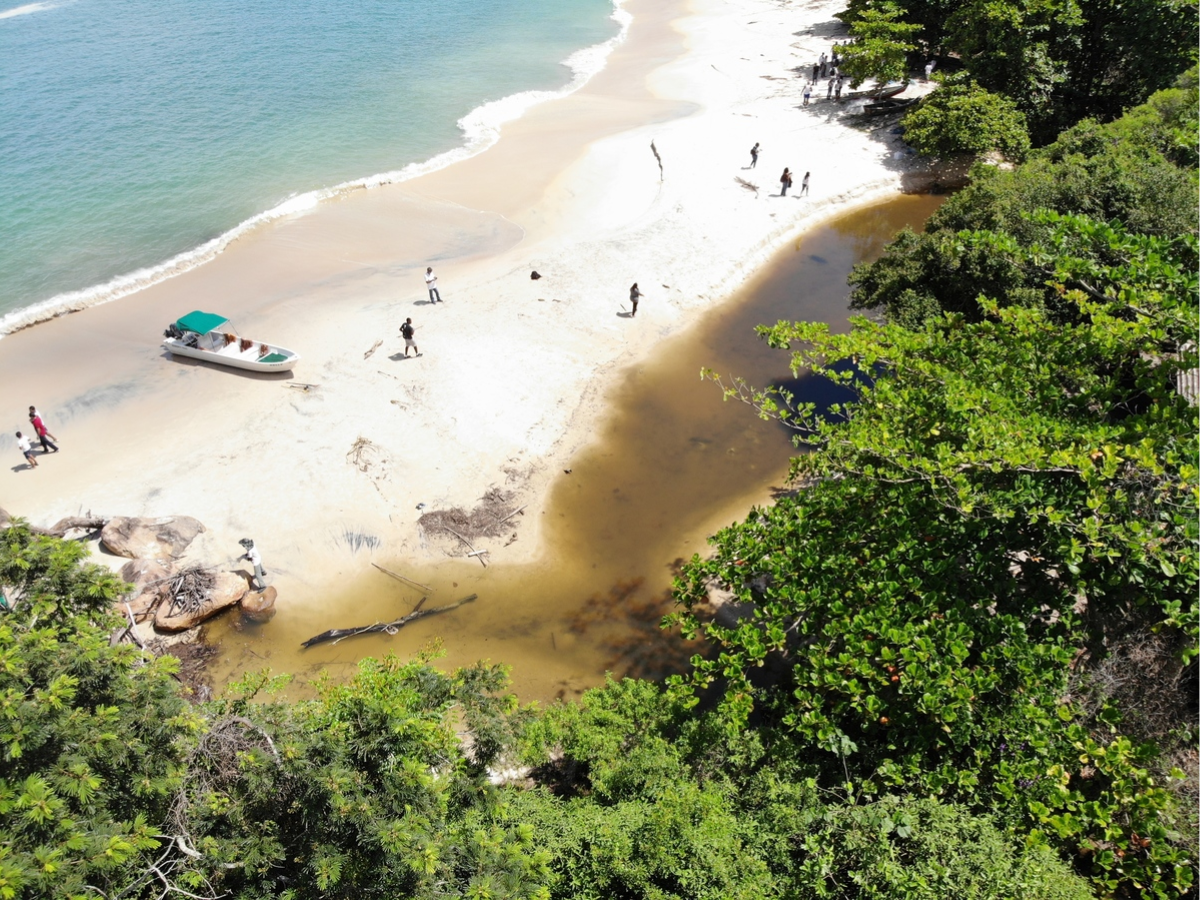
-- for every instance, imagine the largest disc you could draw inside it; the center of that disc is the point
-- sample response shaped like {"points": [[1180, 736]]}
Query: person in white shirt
{"points": [[26, 450], [253, 557], [431, 283]]}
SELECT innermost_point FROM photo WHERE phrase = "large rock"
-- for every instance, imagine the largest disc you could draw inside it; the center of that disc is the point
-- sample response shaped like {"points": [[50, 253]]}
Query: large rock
{"points": [[141, 572], [259, 606], [164, 538], [227, 590], [141, 605], [148, 580]]}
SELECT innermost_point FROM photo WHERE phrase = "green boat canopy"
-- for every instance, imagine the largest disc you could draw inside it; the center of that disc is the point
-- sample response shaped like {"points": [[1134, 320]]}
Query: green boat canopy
{"points": [[200, 322]]}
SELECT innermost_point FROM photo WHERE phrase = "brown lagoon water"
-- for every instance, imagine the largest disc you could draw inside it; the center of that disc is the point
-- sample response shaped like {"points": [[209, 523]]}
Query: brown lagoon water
{"points": [[670, 464]]}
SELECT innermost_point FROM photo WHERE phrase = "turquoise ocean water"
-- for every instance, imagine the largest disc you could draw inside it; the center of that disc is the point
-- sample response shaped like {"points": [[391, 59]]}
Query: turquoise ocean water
{"points": [[139, 136]]}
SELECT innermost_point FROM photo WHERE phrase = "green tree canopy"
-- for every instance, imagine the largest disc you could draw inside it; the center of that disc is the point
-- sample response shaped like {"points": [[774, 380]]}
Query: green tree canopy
{"points": [[1115, 172], [92, 736], [1000, 494], [961, 117], [881, 45]]}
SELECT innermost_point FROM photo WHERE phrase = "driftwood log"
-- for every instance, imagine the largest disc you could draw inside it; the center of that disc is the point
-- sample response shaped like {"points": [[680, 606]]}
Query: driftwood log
{"points": [[337, 634], [62, 526]]}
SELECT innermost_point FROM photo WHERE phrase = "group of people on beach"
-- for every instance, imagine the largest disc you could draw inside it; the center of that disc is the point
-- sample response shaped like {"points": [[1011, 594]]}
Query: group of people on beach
{"points": [[785, 182], [826, 67], [25, 444]]}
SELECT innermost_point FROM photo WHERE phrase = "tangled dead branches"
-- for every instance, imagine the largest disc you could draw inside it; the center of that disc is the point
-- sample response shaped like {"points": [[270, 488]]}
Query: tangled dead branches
{"points": [[485, 520], [188, 589]]}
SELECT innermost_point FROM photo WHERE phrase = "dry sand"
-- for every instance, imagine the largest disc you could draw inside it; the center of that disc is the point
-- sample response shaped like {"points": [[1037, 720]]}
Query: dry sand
{"points": [[514, 371]]}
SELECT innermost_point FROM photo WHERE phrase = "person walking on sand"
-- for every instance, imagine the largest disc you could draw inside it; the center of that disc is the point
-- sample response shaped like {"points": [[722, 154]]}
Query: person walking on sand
{"points": [[785, 182], [804, 184], [634, 296], [837, 92], [435, 295], [807, 92], [407, 332], [26, 450], [754, 155], [39, 428], [829, 92]]}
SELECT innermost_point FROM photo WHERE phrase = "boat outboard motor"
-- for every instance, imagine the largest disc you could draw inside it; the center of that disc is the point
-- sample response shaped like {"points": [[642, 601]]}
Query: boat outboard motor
{"points": [[173, 332]]}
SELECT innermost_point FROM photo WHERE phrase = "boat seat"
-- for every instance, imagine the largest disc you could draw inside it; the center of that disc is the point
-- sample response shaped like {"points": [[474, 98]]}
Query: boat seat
{"points": [[246, 344]]}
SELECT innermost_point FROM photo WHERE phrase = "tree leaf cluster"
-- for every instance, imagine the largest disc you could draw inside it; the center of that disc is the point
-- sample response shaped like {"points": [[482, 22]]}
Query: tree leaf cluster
{"points": [[1058, 61], [1133, 171], [1005, 495]]}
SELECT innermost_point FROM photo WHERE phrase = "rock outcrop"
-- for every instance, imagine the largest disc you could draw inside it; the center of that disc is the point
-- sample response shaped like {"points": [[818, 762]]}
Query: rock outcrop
{"points": [[142, 572], [259, 606], [147, 579], [228, 589], [162, 539]]}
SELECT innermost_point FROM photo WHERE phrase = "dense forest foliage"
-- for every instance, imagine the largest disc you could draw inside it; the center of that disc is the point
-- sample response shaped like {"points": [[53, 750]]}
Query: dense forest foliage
{"points": [[1056, 61], [958, 660]]}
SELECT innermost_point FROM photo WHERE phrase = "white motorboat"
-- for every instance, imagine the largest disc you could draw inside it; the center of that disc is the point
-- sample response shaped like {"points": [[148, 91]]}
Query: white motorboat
{"points": [[212, 337]]}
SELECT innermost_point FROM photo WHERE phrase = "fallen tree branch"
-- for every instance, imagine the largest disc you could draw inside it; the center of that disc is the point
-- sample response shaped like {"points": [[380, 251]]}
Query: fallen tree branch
{"points": [[470, 547], [400, 577], [132, 629], [510, 515], [337, 634], [71, 523]]}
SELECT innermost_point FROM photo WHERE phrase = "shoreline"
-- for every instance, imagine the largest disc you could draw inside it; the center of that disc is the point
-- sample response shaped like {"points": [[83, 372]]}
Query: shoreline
{"points": [[515, 372], [480, 129]]}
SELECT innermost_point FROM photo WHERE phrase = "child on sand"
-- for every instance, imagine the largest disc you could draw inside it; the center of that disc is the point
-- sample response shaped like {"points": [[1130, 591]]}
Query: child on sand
{"points": [[26, 450]]}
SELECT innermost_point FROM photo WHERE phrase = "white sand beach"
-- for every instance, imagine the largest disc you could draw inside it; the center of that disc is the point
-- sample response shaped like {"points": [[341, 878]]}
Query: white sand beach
{"points": [[513, 372]]}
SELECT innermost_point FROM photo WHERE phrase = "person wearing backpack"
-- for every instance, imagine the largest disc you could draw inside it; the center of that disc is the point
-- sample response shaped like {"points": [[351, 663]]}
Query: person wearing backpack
{"points": [[407, 332]]}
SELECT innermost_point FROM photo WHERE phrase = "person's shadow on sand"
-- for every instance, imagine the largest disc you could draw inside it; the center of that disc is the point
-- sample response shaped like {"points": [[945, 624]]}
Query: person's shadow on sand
{"points": [[398, 357], [422, 303], [624, 315], [22, 467]]}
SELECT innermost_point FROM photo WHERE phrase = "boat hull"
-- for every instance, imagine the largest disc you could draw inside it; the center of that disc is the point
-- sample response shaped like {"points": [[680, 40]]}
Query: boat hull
{"points": [[883, 92], [235, 359], [883, 107]]}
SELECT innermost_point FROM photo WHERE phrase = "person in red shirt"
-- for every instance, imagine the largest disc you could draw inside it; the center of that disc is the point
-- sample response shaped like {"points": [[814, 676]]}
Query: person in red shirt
{"points": [[43, 434]]}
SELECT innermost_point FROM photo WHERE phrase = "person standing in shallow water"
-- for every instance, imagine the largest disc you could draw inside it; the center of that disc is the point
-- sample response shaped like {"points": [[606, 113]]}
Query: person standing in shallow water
{"points": [[634, 296], [785, 182]]}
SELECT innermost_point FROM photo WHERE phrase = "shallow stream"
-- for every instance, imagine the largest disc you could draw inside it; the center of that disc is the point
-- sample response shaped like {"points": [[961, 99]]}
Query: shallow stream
{"points": [[670, 464]]}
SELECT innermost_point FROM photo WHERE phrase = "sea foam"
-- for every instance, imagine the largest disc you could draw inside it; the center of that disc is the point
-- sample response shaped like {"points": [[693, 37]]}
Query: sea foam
{"points": [[25, 10], [480, 128]]}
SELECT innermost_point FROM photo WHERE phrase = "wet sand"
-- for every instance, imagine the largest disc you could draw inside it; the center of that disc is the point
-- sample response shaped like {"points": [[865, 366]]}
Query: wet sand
{"points": [[514, 374]]}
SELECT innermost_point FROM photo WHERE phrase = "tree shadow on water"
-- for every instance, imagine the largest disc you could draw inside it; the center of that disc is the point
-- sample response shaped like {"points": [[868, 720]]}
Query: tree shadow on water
{"points": [[626, 621]]}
